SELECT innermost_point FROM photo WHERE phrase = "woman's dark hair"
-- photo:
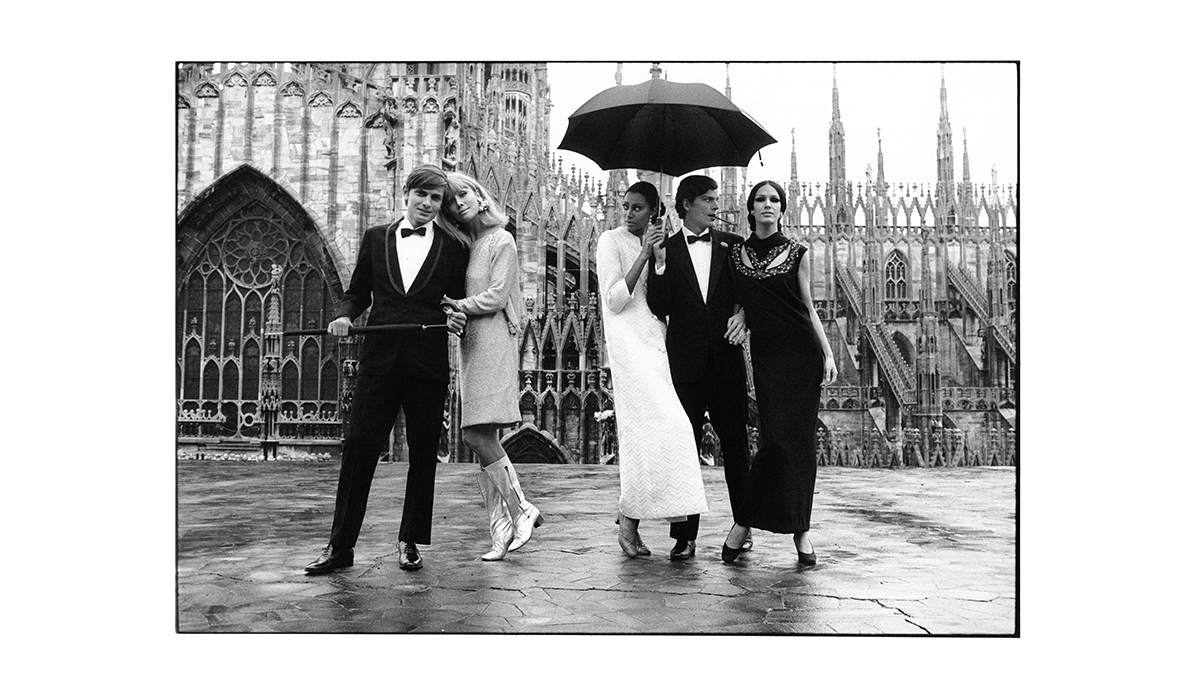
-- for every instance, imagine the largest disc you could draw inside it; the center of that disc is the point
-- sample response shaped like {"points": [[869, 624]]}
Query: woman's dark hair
{"points": [[690, 188], [782, 203], [650, 192]]}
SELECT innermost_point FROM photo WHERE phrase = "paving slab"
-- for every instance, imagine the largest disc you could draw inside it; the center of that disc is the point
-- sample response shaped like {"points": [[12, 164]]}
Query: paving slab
{"points": [[900, 552]]}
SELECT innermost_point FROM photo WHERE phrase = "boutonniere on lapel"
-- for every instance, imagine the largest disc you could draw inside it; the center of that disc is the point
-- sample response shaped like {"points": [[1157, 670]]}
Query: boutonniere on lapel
{"points": [[724, 244]]}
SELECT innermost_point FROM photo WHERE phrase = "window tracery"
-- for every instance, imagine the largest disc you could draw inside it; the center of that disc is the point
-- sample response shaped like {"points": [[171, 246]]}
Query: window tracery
{"points": [[895, 285]]}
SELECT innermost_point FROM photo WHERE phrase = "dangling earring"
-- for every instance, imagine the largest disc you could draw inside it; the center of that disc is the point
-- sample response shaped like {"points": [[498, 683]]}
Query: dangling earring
{"points": [[483, 205]]}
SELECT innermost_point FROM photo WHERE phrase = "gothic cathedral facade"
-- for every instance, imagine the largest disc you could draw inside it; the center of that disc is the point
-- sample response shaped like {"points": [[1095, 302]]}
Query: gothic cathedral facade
{"points": [[282, 166]]}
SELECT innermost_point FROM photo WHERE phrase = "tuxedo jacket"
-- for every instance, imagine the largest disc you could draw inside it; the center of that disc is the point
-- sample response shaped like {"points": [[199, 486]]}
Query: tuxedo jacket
{"points": [[377, 284], [695, 329]]}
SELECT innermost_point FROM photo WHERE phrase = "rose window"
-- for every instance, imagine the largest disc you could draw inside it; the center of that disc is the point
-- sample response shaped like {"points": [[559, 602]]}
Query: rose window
{"points": [[250, 248]]}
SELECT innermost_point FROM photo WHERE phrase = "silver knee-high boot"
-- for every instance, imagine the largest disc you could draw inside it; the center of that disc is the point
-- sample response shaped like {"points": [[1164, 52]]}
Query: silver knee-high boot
{"points": [[502, 525], [525, 515]]}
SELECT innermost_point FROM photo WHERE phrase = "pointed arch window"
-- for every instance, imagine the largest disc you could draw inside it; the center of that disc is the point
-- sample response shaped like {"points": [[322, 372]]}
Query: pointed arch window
{"points": [[1010, 275], [221, 305], [895, 276]]}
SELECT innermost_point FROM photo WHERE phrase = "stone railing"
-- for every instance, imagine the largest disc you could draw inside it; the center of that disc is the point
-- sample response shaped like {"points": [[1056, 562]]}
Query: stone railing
{"points": [[847, 398], [851, 287], [974, 398], [969, 290], [949, 447], [1005, 341], [199, 423], [901, 310], [897, 371]]}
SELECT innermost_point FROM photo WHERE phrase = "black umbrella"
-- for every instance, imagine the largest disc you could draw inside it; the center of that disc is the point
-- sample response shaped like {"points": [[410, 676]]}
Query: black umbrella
{"points": [[672, 128]]}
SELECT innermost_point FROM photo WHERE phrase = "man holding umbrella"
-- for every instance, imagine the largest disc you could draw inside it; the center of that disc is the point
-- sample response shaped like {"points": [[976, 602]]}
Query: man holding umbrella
{"points": [[674, 129], [693, 291]]}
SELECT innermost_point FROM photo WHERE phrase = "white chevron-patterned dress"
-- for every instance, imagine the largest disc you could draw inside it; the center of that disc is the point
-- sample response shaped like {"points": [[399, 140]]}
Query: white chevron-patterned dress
{"points": [[659, 467]]}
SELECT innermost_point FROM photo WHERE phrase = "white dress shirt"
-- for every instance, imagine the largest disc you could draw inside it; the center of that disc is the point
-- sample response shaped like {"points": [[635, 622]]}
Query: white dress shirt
{"points": [[412, 250], [700, 253]]}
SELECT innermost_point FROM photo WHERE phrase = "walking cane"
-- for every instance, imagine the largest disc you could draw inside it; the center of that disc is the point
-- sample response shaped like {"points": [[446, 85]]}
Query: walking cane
{"points": [[357, 330]]}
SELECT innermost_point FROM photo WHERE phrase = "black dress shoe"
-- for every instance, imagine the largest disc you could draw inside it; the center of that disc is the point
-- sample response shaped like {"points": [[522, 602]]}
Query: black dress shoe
{"points": [[410, 558], [730, 554], [683, 549], [806, 558], [330, 560]]}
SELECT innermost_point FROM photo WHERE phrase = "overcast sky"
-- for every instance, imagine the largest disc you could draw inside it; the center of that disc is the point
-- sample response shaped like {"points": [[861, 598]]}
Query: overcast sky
{"points": [[900, 99]]}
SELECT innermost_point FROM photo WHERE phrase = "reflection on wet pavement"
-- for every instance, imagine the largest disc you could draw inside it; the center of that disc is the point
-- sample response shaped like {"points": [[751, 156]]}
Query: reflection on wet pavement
{"points": [[909, 552]]}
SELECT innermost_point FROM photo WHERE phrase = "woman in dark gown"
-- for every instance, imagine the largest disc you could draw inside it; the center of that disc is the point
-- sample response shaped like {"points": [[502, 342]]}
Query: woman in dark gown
{"points": [[791, 358]]}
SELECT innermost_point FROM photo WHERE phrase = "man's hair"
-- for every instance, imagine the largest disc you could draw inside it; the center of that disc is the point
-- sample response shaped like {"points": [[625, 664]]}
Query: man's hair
{"points": [[426, 177], [690, 188]]}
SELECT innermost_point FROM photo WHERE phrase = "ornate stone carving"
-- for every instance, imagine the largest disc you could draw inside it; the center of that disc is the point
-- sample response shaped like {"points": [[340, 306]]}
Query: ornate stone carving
{"points": [[265, 79], [350, 111], [236, 80], [410, 106], [207, 90], [320, 100], [450, 142], [431, 106], [292, 89], [181, 102]]}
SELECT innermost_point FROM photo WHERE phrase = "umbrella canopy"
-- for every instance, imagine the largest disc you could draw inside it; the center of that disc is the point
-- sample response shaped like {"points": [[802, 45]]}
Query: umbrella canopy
{"points": [[671, 128]]}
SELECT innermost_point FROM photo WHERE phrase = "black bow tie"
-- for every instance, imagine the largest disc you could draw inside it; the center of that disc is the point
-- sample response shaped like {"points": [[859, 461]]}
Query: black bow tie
{"points": [[702, 237], [406, 232]]}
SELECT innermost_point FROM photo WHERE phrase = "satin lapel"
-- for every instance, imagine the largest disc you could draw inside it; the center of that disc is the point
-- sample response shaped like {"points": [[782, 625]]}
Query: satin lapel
{"points": [[431, 260], [393, 259], [716, 264], [688, 269]]}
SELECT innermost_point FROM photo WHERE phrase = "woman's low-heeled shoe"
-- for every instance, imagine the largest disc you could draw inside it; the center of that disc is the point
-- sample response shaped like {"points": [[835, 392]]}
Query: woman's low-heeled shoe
{"points": [[628, 545], [730, 554], [806, 559], [642, 549]]}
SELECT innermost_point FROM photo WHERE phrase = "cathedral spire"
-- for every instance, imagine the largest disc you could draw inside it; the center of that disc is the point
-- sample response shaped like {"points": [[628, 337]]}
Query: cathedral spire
{"points": [[837, 140], [945, 150], [618, 75], [881, 179], [966, 159], [945, 110], [729, 175], [837, 112], [655, 71], [795, 172]]}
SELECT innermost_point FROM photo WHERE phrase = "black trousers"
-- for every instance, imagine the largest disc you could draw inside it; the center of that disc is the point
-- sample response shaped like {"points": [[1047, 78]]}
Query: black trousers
{"points": [[723, 394], [377, 402]]}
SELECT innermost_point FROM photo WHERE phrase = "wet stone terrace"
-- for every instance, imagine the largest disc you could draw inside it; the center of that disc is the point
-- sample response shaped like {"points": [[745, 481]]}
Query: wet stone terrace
{"points": [[901, 552]]}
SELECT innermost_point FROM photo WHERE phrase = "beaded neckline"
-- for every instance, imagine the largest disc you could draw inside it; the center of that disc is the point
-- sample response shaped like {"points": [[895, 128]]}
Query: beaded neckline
{"points": [[760, 267]]}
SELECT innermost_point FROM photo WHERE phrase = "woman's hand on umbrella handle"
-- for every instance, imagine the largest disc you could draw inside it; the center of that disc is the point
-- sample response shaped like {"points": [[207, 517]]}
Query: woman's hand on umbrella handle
{"points": [[653, 240]]}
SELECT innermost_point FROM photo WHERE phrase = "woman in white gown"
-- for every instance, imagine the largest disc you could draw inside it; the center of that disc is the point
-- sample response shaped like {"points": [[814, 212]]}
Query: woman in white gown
{"points": [[659, 465]]}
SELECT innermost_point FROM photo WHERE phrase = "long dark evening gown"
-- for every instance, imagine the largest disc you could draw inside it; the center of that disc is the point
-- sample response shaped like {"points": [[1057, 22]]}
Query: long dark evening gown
{"points": [[788, 362]]}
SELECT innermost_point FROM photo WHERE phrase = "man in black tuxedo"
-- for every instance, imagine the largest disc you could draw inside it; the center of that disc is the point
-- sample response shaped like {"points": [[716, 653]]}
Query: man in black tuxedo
{"points": [[693, 291], [403, 271]]}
